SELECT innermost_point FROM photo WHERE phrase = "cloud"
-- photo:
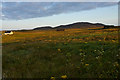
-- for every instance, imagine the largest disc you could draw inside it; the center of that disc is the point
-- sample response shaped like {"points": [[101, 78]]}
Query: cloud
{"points": [[26, 10], [1, 10]]}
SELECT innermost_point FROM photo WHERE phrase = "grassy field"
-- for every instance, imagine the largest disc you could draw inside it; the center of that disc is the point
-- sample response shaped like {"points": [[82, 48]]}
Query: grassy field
{"points": [[74, 53]]}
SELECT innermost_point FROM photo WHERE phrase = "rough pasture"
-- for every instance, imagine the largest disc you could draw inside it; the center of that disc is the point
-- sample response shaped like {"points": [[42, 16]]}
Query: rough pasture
{"points": [[73, 53]]}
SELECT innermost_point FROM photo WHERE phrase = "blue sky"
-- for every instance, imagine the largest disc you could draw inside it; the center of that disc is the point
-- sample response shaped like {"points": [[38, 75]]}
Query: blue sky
{"points": [[28, 15]]}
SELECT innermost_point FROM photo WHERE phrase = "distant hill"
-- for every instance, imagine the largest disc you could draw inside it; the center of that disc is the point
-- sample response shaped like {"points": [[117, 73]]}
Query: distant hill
{"points": [[43, 28], [74, 25], [80, 25]]}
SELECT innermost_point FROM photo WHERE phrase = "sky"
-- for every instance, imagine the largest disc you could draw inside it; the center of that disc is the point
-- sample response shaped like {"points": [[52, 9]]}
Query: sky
{"points": [[29, 15]]}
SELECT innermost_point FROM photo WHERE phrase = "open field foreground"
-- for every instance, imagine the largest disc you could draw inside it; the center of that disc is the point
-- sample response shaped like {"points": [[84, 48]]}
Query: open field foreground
{"points": [[73, 53]]}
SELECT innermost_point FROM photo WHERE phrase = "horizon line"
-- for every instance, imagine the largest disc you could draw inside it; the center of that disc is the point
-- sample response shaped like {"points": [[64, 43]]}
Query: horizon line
{"points": [[59, 25]]}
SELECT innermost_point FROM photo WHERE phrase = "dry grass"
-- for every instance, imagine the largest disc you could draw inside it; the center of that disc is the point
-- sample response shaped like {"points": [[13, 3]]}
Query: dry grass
{"points": [[67, 35]]}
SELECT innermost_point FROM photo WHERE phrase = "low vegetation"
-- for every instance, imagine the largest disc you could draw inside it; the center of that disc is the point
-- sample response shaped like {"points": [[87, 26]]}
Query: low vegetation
{"points": [[73, 53]]}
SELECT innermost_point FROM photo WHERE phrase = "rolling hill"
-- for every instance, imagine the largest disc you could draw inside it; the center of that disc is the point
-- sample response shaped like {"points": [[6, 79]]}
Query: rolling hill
{"points": [[73, 25]]}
